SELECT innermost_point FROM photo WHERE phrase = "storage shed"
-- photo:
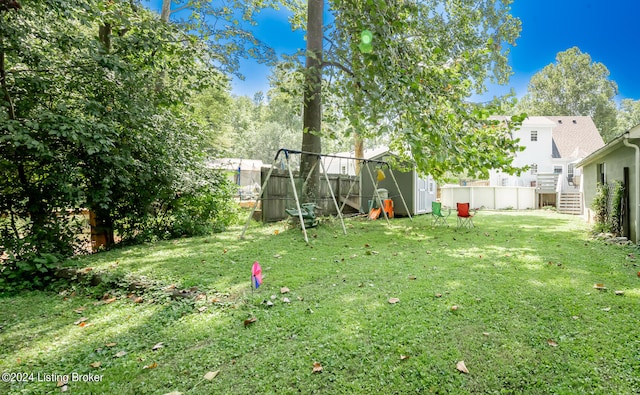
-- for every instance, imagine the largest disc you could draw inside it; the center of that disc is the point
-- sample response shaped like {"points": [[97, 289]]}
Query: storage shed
{"points": [[417, 191]]}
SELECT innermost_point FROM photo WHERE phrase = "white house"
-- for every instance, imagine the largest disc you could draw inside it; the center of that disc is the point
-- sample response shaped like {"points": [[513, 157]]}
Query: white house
{"points": [[553, 145]]}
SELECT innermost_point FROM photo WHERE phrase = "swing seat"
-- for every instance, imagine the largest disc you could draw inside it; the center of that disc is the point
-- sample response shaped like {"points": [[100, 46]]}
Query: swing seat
{"points": [[308, 211]]}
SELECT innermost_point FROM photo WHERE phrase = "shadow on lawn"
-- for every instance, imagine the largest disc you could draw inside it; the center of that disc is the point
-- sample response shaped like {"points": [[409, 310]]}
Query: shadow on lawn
{"points": [[520, 277]]}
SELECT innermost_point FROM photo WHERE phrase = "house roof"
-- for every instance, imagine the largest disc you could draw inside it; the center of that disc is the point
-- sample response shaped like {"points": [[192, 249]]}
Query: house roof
{"points": [[633, 133], [538, 121], [368, 153], [574, 137], [234, 164]]}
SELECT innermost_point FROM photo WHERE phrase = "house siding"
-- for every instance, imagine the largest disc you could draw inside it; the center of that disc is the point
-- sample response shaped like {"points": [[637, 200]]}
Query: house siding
{"points": [[561, 141], [615, 161]]}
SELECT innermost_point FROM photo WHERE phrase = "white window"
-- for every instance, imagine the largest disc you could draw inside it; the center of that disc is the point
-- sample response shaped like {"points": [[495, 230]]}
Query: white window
{"points": [[557, 169], [534, 135], [534, 168]]}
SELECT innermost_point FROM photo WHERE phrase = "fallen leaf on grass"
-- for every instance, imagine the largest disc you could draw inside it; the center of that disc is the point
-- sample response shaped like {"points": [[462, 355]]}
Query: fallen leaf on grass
{"points": [[403, 357], [120, 354], [211, 375], [552, 343], [86, 270], [250, 321], [80, 321], [606, 309], [599, 286], [286, 300], [110, 300], [284, 290], [202, 309], [486, 333], [151, 366], [317, 367], [462, 367], [412, 277], [95, 364], [277, 256], [173, 393], [454, 308], [136, 299], [157, 346], [80, 309], [619, 293], [438, 295], [393, 300], [110, 344]]}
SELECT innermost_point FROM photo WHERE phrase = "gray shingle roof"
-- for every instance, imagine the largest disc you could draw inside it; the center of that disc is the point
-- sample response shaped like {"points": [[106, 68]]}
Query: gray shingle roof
{"points": [[575, 136]]}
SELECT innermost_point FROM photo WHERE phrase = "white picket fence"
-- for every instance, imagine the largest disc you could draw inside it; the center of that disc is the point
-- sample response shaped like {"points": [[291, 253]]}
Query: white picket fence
{"points": [[492, 198]]}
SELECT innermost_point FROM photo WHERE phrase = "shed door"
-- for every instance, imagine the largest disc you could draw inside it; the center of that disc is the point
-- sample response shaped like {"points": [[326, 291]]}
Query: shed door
{"points": [[423, 202]]}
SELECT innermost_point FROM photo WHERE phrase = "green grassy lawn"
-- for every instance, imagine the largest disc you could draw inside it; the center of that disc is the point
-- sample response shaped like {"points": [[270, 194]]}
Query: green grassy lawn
{"points": [[528, 317]]}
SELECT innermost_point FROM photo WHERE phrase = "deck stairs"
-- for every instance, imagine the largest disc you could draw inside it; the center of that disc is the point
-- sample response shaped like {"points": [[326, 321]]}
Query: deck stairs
{"points": [[570, 203]]}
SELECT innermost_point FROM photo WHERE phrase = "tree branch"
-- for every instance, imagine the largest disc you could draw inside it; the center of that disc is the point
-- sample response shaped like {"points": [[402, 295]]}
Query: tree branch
{"points": [[338, 65], [182, 7]]}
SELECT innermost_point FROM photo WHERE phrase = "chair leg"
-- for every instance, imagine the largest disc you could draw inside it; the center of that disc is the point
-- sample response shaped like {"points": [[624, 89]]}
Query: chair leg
{"points": [[465, 222]]}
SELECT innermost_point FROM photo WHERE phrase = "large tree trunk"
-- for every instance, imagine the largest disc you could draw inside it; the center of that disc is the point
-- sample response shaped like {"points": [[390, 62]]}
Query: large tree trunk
{"points": [[100, 219], [312, 118], [358, 146], [166, 10]]}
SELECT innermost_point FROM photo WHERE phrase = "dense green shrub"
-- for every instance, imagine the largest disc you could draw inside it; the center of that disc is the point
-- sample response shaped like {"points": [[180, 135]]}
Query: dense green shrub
{"points": [[616, 207], [205, 206], [607, 205], [34, 253], [600, 208]]}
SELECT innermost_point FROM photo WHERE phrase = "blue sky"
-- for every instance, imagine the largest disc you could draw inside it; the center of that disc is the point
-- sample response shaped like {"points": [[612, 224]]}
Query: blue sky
{"points": [[606, 30]]}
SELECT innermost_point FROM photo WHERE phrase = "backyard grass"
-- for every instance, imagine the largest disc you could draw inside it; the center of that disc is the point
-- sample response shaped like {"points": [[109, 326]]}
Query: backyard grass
{"points": [[527, 320]]}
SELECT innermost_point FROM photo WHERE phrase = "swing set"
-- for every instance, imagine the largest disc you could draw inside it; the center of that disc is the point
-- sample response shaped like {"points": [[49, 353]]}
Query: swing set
{"points": [[305, 212]]}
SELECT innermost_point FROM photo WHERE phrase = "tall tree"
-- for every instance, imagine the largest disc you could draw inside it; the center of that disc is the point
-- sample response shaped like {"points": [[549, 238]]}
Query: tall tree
{"points": [[81, 121], [628, 115], [312, 100], [574, 85], [407, 69], [224, 26]]}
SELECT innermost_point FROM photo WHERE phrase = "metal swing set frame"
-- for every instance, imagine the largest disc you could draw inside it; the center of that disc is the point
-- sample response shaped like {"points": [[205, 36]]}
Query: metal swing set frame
{"points": [[299, 208]]}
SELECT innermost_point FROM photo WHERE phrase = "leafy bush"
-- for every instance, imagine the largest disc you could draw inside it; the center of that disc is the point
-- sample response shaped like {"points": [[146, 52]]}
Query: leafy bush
{"points": [[607, 205], [205, 206], [33, 253], [616, 207], [600, 207]]}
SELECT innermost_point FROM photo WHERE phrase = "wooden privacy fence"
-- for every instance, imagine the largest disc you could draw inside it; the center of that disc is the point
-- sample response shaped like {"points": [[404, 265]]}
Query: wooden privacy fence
{"points": [[278, 194]]}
